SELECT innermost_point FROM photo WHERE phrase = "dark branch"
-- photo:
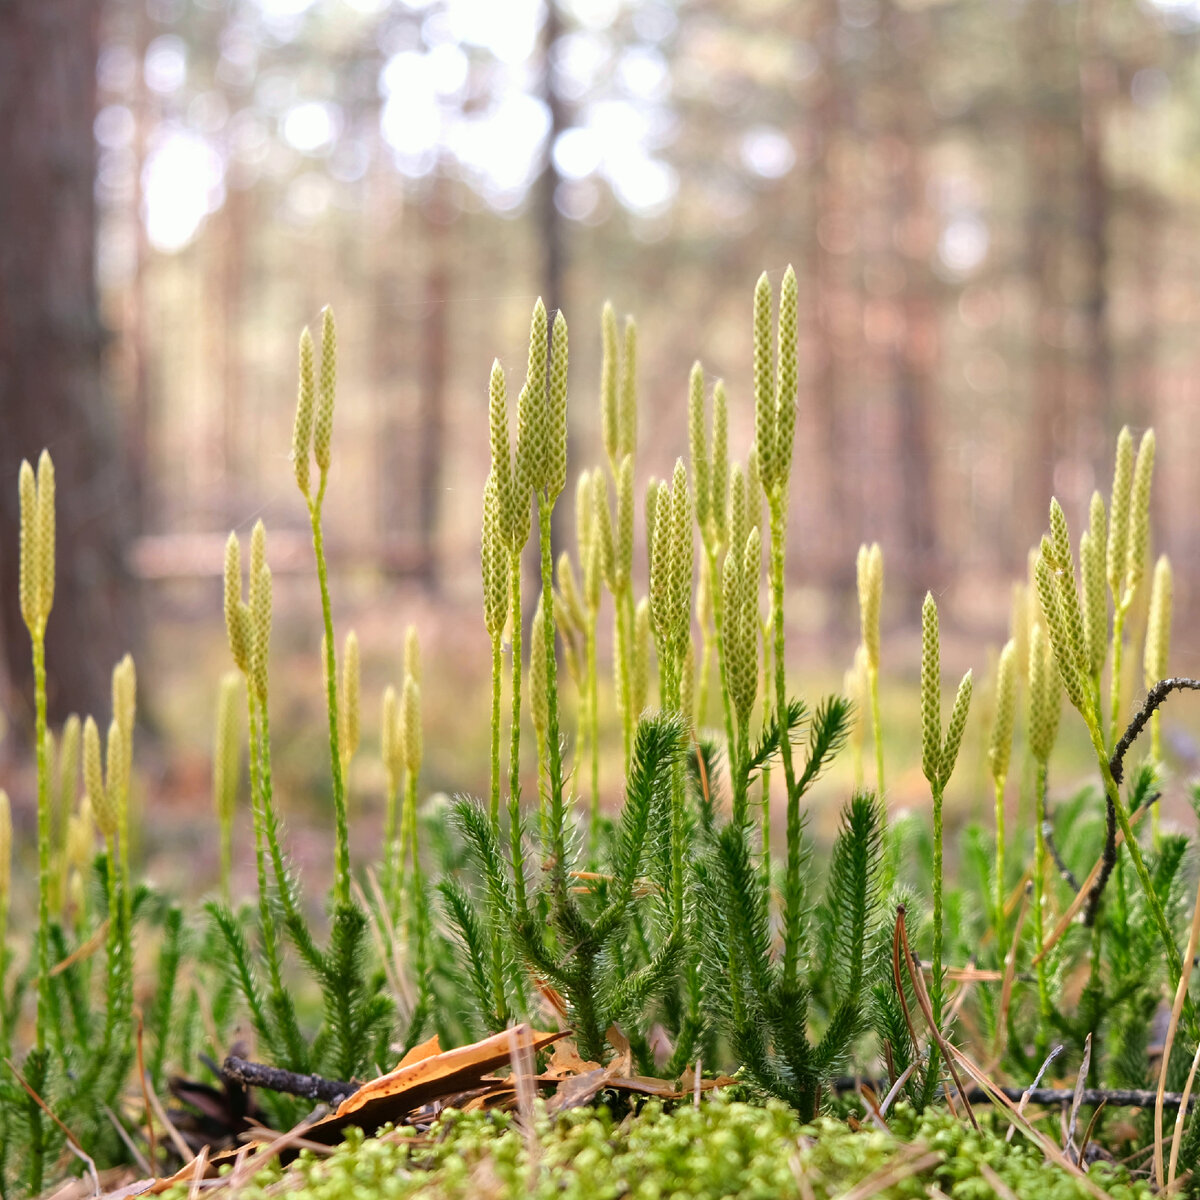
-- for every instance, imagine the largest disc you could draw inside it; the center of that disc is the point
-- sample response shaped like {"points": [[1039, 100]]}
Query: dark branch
{"points": [[1116, 1097], [276, 1079], [1051, 845], [1109, 861], [1154, 697]]}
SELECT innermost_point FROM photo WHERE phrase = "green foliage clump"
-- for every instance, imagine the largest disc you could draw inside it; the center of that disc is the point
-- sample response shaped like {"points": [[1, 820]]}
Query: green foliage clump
{"points": [[669, 931], [720, 1149]]}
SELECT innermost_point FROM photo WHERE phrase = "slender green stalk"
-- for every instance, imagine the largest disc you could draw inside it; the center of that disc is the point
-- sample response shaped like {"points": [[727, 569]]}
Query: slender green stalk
{"points": [[1174, 960], [718, 608], [1000, 866], [43, 825], [936, 991], [415, 880], [497, 687], [1045, 1009], [514, 747], [593, 740], [545, 508], [876, 728], [766, 770], [792, 917], [341, 878], [391, 848], [624, 637], [1114, 691]]}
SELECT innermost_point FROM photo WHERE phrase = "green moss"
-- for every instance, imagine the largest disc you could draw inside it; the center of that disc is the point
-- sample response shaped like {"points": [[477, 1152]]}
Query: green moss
{"points": [[721, 1149]]}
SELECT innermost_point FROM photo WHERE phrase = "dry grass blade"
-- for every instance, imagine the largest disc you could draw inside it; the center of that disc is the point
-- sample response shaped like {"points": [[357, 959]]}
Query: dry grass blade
{"points": [[901, 1080], [1080, 1080], [870, 1101], [1010, 972], [926, 1006], [84, 950], [1091, 1128], [130, 1145], [521, 1058], [1177, 1136], [996, 1183], [200, 1166], [1030, 1089], [1043, 1143], [1081, 896], [76, 1148], [911, 1160], [1172, 1027]]}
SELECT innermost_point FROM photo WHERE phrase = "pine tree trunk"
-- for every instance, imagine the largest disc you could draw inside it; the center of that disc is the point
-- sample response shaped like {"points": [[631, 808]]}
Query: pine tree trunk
{"points": [[51, 339]]}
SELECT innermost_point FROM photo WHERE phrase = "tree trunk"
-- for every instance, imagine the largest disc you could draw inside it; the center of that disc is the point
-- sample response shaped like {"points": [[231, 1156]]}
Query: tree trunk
{"points": [[1044, 149], [51, 339], [1095, 426]]}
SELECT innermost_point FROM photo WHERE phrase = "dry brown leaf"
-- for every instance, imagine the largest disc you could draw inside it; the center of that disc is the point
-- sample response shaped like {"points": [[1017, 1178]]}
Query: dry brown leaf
{"points": [[566, 1061], [421, 1053]]}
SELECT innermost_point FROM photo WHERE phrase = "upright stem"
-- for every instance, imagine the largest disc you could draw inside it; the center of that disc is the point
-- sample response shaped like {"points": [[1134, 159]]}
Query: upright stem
{"points": [[391, 848], [1114, 694], [935, 991], [766, 771], [1000, 940], [793, 900], [718, 603], [497, 687], [514, 744], [739, 765], [557, 809], [416, 884], [877, 731], [669, 664], [624, 631], [593, 738], [341, 882], [1174, 960], [43, 822], [1045, 1009]]}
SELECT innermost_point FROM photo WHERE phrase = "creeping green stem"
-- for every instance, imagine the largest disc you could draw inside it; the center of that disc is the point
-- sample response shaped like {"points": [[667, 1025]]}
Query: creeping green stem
{"points": [[341, 881]]}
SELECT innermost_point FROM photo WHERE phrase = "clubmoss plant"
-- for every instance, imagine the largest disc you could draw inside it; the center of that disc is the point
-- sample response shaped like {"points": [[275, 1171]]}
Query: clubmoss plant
{"points": [[999, 755], [36, 584], [1045, 704], [1128, 548], [1060, 603], [938, 755], [312, 439]]}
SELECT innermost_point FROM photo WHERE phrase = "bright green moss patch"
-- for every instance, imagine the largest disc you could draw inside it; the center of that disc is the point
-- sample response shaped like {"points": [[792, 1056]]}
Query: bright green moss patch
{"points": [[722, 1149]]}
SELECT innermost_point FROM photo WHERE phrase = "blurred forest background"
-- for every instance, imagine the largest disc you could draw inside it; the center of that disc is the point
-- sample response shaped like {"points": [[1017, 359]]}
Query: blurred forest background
{"points": [[993, 207]]}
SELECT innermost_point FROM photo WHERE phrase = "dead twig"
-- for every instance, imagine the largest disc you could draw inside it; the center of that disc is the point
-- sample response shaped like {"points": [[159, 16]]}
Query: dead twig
{"points": [[276, 1079]]}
